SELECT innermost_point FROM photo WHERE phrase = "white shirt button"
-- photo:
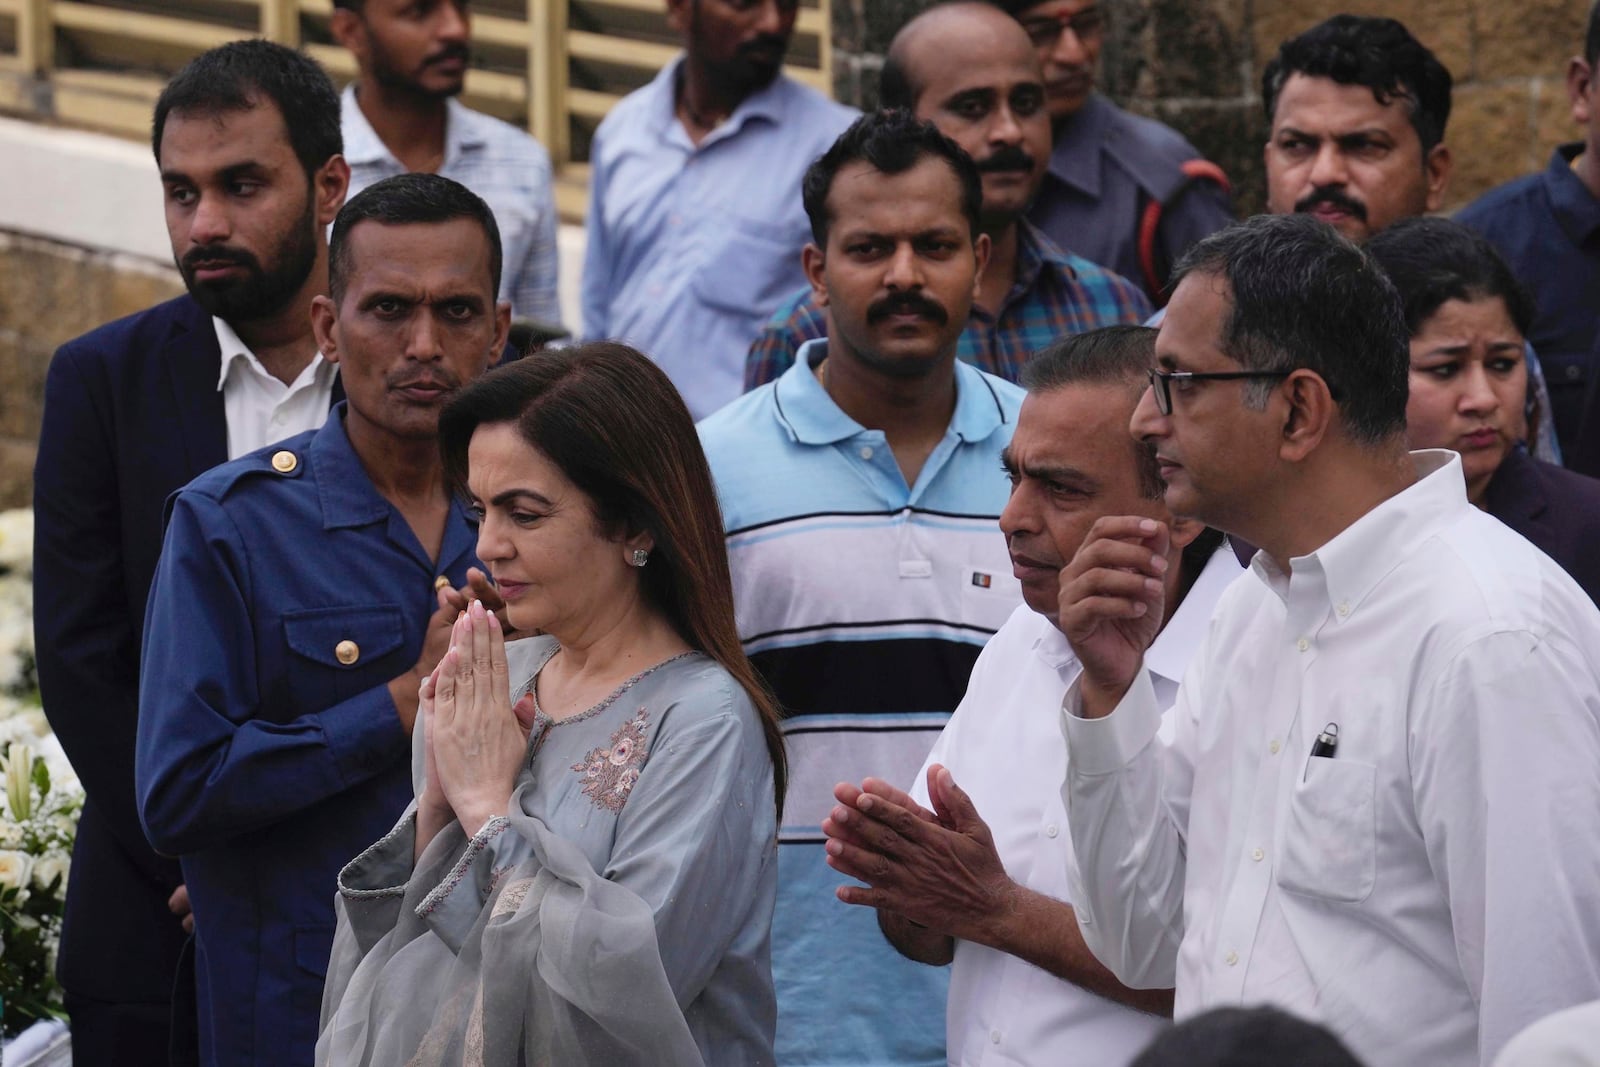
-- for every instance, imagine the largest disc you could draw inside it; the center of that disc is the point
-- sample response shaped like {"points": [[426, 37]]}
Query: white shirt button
{"points": [[994, 1036], [1051, 830], [865, 452], [1343, 609], [1231, 958], [1275, 747], [1302, 644], [1258, 855]]}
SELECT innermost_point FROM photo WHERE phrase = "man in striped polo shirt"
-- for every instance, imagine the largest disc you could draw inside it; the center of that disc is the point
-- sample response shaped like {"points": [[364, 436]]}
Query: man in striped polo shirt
{"points": [[860, 492]]}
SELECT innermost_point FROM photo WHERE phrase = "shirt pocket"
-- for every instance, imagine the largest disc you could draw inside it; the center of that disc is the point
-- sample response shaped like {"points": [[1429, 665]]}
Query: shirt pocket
{"points": [[1330, 839], [988, 596], [751, 267], [336, 652]]}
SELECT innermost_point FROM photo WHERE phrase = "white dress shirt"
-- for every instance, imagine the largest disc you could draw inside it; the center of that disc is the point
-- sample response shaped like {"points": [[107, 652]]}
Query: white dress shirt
{"points": [[1569, 1038], [1004, 749], [260, 409], [1434, 885]]}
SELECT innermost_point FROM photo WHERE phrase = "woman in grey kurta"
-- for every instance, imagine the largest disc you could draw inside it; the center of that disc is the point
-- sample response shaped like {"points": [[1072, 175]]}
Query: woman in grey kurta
{"points": [[610, 898]]}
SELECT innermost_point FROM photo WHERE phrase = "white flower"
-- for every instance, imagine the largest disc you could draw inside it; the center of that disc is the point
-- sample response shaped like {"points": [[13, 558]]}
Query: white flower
{"points": [[10, 834], [50, 867], [15, 867], [16, 539]]}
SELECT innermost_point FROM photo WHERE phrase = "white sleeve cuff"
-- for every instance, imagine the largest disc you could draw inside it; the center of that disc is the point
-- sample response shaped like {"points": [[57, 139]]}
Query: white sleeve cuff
{"points": [[1108, 744]]}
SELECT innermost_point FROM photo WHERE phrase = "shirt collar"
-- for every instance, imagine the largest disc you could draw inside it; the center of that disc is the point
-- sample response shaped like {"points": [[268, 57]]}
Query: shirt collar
{"points": [[1075, 159], [347, 495], [363, 145], [767, 104], [812, 417], [1574, 206], [1034, 251], [1349, 566], [235, 351]]}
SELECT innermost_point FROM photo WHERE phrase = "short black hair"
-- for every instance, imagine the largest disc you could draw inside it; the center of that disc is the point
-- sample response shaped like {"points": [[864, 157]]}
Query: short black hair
{"points": [[1431, 261], [240, 75], [1111, 355], [403, 200], [893, 141], [1378, 53], [1117, 355], [1302, 296], [1246, 1037], [1591, 39]]}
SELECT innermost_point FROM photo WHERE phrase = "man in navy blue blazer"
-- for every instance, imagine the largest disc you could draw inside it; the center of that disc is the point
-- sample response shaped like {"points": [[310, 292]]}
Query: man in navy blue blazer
{"points": [[133, 411]]}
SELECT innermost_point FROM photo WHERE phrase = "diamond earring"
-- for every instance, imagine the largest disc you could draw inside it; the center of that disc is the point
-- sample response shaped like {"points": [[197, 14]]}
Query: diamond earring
{"points": [[640, 557]]}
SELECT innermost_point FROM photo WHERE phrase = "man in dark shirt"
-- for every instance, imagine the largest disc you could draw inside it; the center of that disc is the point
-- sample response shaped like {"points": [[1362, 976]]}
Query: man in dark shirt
{"points": [[1547, 225]]}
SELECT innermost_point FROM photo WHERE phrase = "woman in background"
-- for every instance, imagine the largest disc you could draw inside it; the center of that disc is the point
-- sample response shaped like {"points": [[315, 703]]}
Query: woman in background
{"points": [[588, 872], [1468, 318]]}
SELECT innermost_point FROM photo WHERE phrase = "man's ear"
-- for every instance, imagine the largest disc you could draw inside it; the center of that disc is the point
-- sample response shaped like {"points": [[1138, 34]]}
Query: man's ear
{"points": [[1580, 90], [502, 331], [323, 318], [330, 185], [349, 32], [678, 15], [980, 250], [812, 261], [1437, 168], [1309, 413]]}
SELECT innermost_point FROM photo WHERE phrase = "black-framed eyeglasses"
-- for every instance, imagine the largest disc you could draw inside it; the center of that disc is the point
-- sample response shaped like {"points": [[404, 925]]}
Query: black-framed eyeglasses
{"points": [[1161, 381], [1086, 25]]}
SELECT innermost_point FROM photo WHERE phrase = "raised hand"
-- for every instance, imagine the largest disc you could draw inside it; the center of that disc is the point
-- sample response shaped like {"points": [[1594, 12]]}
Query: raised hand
{"points": [[1112, 600]]}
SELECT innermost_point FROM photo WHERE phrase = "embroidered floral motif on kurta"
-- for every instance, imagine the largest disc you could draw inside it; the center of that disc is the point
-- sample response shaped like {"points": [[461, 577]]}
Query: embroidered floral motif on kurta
{"points": [[610, 772]]}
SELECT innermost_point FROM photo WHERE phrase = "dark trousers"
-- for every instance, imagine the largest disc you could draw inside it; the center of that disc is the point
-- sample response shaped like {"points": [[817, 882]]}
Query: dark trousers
{"points": [[105, 1034]]}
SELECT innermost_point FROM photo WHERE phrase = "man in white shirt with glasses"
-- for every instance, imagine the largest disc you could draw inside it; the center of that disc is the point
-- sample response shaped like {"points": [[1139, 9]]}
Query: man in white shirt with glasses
{"points": [[1377, 807]]}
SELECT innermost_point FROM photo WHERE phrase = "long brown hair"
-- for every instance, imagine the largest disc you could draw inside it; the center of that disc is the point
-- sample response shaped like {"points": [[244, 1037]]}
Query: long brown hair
{"points": [[612, 421]]}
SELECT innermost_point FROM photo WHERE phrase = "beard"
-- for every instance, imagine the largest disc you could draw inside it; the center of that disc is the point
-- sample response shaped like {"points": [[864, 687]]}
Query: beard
{"points": [[265, 290], [389, 75]]}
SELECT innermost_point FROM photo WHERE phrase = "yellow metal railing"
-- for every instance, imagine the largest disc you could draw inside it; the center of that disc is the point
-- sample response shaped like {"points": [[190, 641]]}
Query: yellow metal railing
{"points": [[555, 67]]}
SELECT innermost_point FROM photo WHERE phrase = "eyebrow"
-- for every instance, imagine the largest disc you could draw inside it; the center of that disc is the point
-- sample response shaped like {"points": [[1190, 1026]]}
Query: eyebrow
{"points": [[235, 170], [1046, 472], [510, 495]]}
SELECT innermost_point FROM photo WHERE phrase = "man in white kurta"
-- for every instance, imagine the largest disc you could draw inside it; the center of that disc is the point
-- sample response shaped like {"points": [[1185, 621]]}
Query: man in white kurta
{"points": [[1380, 806], [1023, 987]]}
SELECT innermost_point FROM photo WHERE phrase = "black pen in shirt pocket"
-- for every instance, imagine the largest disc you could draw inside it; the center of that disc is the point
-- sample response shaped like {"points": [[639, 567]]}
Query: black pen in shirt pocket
{"points": [[1325, 745]]}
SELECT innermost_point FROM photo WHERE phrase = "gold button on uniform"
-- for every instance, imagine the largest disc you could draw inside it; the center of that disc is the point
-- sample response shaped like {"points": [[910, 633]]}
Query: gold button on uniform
{"points": [[346, 652], [285, 462], [440, 582]]}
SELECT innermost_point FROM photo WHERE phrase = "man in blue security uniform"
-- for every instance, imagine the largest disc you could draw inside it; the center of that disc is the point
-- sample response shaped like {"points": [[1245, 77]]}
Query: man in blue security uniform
{"points": [[1122, 190], [303, 592]]}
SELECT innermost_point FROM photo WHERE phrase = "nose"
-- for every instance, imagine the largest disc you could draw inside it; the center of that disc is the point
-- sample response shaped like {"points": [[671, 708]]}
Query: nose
{"points": [[1018, 516], [903, 270], [1005, 128], [1477, 394], [1069, 50], [1147, 422], [424, 339], [453, 25], [210, 223], [1328, 168], [492, 543], [769, 18]]}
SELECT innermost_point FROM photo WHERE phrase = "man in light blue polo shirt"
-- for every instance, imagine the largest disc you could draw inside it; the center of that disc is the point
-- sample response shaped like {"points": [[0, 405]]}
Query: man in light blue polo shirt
{"points": [[695, 223], [860, 492]]}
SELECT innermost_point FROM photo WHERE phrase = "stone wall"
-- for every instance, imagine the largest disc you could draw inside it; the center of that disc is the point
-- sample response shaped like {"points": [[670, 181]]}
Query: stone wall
{"points": [[52, 293], [1196, 64]]}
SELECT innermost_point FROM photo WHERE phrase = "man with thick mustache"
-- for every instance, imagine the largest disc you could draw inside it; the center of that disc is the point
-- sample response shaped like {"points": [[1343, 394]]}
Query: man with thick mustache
{"points": [[694, 229], [401, 114], [968, 69], [1357, 108], [134, 410], [304, 592], [860, 493]]}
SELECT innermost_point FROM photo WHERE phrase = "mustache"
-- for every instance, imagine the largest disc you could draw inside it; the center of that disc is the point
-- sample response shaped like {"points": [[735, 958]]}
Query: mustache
{"points": [[907, 303], [455, 50], [218, 254], [1009, 157], [765, 43], [1334, 197]]}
